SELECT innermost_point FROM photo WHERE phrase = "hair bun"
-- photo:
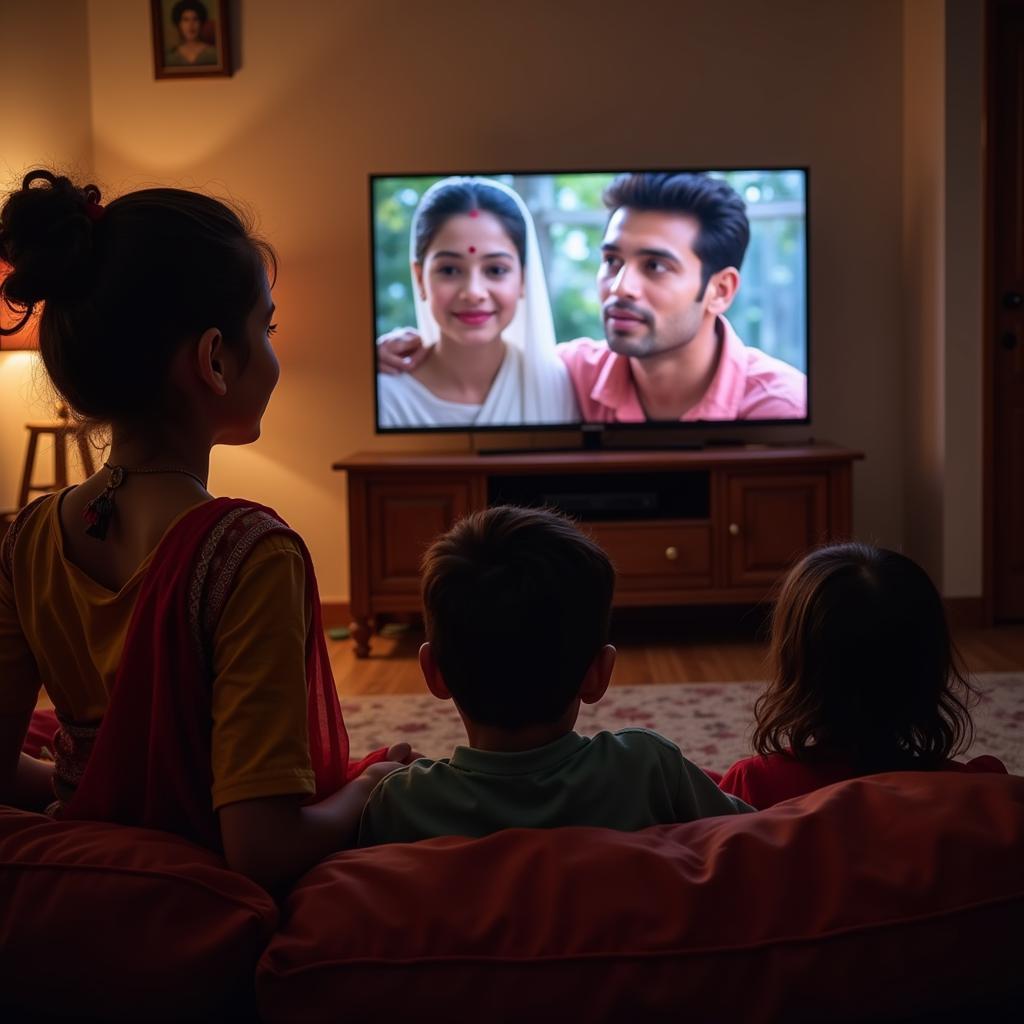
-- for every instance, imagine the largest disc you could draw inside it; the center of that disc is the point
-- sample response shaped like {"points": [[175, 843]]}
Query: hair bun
{"points": [[46, 235]]}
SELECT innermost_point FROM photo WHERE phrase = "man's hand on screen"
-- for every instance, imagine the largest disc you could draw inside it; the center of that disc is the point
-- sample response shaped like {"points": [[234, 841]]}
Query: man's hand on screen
{"points": [[400, 351]]}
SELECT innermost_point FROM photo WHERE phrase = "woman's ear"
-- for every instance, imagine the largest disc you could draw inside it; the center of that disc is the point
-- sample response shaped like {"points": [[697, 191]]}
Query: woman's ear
{"points": [[432, 674], [598, 676], [417, 274], [210, 353]]}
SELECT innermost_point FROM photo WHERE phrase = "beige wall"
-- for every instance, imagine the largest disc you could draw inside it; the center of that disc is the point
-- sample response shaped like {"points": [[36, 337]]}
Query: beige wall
{"points": [[330, 91], [44, 120], [341, 89], [943, 257]]}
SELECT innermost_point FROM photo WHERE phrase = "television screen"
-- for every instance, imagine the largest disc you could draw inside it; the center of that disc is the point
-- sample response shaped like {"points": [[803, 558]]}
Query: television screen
{"points": [[621, 297]]}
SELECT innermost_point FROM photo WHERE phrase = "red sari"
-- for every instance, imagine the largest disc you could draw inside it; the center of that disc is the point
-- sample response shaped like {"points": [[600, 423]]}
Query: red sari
{"points": [[148, 762]]}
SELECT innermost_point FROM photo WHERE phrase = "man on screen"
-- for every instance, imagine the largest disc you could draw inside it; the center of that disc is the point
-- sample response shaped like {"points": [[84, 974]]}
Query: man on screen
{"points": [[669, 271]]}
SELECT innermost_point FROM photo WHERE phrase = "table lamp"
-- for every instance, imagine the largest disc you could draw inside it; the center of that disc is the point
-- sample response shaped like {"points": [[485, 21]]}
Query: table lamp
{"points": [[28, 336], [61, 429]]}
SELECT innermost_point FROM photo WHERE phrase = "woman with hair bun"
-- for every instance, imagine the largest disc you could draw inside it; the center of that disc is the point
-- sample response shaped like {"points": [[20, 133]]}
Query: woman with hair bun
{"points": [[178, 635]]}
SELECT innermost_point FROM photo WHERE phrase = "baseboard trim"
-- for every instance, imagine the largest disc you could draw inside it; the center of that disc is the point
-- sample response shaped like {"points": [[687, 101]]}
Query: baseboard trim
{"points": [[336, 613], [965, 612]]}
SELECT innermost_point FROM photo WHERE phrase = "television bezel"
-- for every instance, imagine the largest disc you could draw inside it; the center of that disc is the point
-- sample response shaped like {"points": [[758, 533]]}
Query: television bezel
{"points": [[590, 427]]}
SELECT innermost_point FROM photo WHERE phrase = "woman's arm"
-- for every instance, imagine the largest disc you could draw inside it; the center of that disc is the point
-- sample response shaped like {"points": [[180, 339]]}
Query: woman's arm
{"points": [[275, 839], [24, 781]]}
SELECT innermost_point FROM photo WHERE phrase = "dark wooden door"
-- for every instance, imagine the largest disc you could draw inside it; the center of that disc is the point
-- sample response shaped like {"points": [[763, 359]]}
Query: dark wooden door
{"points": [[1006, 306], [404, 518]]}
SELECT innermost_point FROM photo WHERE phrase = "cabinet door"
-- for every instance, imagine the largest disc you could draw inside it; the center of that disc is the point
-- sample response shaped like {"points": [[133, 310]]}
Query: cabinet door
{"points": [[772, 521], [404, 517]]}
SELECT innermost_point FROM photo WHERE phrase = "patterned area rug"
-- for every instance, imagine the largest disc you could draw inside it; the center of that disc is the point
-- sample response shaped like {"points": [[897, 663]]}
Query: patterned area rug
{"points": [[710, 722]]}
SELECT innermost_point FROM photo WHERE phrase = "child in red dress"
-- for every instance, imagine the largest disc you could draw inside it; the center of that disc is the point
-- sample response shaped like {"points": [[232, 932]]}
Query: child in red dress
{"points": [[865, 679]]}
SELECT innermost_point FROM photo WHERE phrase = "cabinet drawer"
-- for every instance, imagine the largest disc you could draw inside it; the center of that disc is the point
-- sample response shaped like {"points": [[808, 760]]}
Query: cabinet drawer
{"points": [[657, 553]]}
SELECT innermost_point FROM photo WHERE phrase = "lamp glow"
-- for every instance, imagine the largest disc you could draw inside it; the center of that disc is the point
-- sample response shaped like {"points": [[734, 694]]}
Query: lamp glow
{"points": [[28, 336]]}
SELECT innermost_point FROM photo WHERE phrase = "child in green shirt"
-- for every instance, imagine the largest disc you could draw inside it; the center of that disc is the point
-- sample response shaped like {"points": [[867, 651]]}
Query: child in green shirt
{"points": [[517, 605]]}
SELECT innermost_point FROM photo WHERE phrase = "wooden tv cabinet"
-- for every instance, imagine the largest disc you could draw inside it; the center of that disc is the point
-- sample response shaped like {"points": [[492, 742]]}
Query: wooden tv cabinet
{"points": [[713, 526]]}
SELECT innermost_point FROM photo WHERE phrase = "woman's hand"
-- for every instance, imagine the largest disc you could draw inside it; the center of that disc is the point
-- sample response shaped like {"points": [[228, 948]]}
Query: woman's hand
{"points": [[401, 351], [275, 839], [402, 753]]}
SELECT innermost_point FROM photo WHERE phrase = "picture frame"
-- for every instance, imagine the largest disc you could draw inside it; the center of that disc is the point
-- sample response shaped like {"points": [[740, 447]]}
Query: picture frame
{"points": [[191, 39]]}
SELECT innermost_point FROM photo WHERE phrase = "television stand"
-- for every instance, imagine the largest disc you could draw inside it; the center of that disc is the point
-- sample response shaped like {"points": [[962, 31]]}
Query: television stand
{"points": [[595, 439], [715, 526]]}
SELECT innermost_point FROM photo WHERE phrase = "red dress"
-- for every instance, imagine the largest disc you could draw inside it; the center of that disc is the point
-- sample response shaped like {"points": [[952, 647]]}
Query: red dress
{"points": [[763, 780]]}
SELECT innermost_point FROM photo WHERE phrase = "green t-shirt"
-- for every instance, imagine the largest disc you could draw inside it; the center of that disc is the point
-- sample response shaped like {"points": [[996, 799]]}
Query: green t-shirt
{"points": [[625, 780]]}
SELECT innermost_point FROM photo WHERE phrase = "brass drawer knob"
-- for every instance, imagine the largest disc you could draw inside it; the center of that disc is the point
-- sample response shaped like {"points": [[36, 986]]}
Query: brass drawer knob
{"points": [[734, 529], [671, 553]]}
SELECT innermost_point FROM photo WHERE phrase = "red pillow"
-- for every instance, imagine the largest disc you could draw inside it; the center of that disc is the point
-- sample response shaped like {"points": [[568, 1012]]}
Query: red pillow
{"points": [[892, 895], [101, 920]]}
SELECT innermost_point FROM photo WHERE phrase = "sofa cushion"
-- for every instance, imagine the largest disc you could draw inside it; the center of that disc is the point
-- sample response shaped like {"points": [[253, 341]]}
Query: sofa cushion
{"points": [[889, 896], [101, 920]]}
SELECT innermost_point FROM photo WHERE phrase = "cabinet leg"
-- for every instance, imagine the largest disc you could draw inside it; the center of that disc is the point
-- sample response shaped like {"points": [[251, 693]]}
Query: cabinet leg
{"points": [[361, 630]]}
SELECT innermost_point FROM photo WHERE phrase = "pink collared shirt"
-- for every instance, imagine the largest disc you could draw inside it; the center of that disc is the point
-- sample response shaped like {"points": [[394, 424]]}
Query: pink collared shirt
{"points": [[748, 384]]}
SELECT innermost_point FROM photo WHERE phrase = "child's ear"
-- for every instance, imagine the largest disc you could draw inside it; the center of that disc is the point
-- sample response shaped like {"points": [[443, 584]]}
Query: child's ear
{"points": [[210, 360], [598, 676], [432, 675]]}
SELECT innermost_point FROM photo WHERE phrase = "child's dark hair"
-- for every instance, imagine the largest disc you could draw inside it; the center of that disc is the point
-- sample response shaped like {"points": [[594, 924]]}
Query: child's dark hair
{"points": [[863, 664], [124, 285], [724, 228], [517, 605], [464, 196]]}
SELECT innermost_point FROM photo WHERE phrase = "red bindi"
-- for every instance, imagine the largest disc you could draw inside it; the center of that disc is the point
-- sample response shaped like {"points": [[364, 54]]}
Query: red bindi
{"points": [[474, 213], [472, 248]]}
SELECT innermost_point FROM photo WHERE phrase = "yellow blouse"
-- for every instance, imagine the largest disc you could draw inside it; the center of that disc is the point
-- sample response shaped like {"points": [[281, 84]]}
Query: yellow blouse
{"points": [[62, 630]]}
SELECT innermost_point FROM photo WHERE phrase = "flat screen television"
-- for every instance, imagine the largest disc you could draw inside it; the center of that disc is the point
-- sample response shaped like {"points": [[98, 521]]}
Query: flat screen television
{"points": [[506, 301]]}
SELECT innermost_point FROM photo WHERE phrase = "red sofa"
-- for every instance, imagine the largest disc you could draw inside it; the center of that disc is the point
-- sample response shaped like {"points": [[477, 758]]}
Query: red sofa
{"points": [[899, 897]]}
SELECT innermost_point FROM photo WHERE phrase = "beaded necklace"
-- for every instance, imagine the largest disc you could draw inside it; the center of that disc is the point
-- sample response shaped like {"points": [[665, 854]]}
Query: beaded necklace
{"points": [[98, 512]]}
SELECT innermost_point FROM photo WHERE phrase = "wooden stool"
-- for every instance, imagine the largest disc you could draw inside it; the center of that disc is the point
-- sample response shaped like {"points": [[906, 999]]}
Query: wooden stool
{"points": [[59, 429]]}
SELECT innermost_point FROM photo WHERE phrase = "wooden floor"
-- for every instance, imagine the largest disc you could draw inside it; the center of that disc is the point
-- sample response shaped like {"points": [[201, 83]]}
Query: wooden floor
{"points": [[690, 649]]}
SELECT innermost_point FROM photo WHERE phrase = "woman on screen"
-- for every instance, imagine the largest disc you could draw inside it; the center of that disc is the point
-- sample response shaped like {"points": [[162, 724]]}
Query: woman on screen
{"points": [[482, 305]]}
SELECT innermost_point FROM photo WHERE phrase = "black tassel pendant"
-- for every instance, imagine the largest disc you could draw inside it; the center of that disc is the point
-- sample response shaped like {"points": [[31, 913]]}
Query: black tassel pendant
{"points": [[98, 513]]}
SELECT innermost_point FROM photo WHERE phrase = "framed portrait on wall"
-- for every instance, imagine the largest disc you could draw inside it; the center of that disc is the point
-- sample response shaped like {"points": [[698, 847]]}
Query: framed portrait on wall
{"points": [[191, 38]]}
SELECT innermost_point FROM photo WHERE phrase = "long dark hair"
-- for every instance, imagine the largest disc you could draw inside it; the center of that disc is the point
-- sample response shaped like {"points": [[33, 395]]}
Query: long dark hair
{"points": [[863, 664], [122, 286]]}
